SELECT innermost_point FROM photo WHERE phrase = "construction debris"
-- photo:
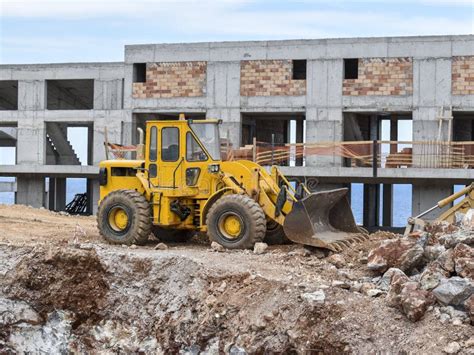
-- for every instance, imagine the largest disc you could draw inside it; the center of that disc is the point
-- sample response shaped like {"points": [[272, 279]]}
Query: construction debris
{"points": [[92, 297]]}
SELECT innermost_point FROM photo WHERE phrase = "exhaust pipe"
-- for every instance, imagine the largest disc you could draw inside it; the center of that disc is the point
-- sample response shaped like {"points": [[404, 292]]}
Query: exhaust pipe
{"points": [[140, 145]]}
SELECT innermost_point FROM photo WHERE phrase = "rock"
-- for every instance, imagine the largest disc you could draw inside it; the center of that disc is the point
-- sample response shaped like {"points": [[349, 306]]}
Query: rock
{"points": [[222, 287], [235, 350], [217, 247], [439, 228], [16, 312], [455, 315], [463, 256], [365, 287], [375, 292], [469, 343], [446, 261], [454, 291], [362, 257], [300, 252], [161, 246], [314, 298], [211, 299], [404, 253], [337, 260], [396, 285], [413, 301], [341, 284], [432, 252], [468, 219], [469, 306], [452, 348], [432, 276], [464, 236], [386, 279], [133, 246], [259, 248]]}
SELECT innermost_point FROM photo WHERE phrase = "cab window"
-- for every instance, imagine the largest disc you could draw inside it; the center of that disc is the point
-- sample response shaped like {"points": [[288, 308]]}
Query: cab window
{"points": [[194, 152], [153, 144], [170, 144]]}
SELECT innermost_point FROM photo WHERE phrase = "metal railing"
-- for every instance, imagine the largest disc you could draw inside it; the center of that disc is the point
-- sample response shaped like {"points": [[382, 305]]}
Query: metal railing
{"points": [[365, 154]]}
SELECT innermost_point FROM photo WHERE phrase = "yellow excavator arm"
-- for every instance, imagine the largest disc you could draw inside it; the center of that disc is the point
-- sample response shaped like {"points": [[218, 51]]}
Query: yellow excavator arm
{"points": [[450, 215]]}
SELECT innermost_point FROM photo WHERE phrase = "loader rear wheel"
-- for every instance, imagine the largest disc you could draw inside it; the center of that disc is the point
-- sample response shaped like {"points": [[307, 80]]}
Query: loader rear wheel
{"points": [[275, 234], [236, 222], [172, 235], [124, 217]]}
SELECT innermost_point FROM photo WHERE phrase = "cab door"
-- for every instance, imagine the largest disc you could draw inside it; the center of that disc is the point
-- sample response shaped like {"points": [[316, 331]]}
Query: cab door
{"points": [[151, 155], [171, 159]]}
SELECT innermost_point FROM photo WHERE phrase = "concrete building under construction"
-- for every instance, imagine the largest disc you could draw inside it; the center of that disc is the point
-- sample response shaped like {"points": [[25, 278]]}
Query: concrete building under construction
{"points": [[416, 94]]}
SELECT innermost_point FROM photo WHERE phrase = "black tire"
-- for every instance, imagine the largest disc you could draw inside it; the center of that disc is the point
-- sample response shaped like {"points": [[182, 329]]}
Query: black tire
{"points": [[275, 234], [248, 213], [172, 235], [138, 212]]}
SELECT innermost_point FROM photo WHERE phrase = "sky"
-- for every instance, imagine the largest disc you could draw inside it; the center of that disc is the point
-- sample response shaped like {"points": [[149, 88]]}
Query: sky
{"points": [[42, 31]]}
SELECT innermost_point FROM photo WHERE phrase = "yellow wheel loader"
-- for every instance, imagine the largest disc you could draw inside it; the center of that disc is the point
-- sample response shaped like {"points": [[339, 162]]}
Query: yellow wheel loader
{"points": [[182, 186]]}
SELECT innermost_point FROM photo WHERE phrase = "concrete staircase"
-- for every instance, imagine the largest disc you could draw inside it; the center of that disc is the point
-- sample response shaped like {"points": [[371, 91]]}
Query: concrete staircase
{"points": [[59, 150]]}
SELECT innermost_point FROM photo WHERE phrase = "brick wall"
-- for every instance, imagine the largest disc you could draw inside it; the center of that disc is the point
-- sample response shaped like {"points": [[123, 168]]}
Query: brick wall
{"points": [[180, 79], [381, 76], [462, 76], [269, 78]]}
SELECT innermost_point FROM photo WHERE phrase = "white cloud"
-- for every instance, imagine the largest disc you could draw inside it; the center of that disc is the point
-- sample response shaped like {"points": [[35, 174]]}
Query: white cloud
{"points": [[205, 20]]}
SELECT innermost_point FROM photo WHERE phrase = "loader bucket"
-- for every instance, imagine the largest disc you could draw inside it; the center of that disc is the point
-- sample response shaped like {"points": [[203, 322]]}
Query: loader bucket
{"points": [[324, 220]]}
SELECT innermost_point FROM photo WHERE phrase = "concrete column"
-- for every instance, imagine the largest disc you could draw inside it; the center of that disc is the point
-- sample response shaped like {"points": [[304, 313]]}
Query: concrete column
{"points": [[431, 92], [371, 205], [231, 124], [30, 191], [223, 98], [393, 134], [387, 208], [426, 196], [93, 195], [299, 138], [57, 194], [324, 119]]}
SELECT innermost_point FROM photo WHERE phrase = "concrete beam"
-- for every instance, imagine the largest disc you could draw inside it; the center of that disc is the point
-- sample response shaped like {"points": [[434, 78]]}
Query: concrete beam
{"points": [[49, 170], [385, 175]]}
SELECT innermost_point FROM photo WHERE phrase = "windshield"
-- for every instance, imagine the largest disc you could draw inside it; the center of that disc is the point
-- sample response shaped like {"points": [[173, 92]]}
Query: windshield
{"points": [[208, 134]]}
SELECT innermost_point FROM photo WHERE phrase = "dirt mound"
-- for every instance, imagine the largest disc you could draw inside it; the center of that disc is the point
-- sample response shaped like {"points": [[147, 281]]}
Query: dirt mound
{"points": [[54, 279], [62, 291]]}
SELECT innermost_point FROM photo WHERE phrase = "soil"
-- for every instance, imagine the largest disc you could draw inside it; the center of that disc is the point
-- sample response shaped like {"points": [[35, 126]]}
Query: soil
{"points": [[63, 289]]}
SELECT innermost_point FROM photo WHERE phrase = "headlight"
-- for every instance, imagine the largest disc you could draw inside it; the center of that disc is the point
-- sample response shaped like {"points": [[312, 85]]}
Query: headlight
{"points": [[213, 168]]}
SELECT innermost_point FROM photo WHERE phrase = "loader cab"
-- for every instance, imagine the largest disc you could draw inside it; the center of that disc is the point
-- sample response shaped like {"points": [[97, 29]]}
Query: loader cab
{"points": [[178, 152]]}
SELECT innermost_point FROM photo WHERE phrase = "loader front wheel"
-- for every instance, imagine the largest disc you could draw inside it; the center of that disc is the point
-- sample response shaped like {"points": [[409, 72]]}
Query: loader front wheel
{"points": [[236, 222], [124, 217]]}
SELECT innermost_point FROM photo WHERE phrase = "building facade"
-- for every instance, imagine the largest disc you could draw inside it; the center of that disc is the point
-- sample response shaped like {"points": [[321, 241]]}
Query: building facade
{"points": [[329, 90]]}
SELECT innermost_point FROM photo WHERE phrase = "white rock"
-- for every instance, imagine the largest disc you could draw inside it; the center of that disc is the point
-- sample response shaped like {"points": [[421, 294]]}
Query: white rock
{"points": [[452, 348], [374, 292], [217, 247], [314, 298], [161, 246], [259, 248]]}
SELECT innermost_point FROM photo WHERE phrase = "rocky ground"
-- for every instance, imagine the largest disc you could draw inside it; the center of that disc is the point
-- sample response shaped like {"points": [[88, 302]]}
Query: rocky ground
{"points": [[64, 290]]}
